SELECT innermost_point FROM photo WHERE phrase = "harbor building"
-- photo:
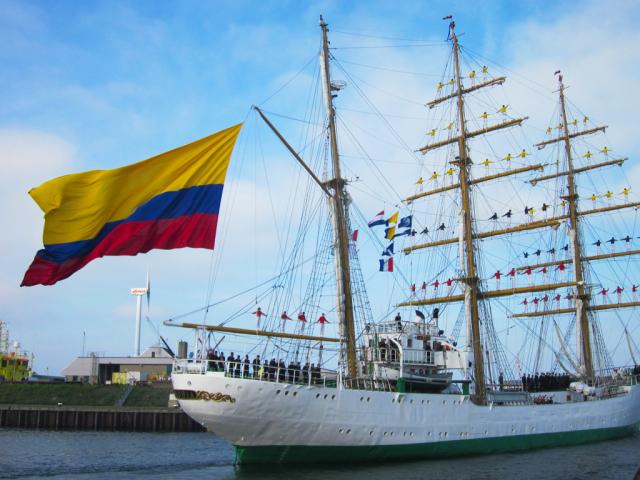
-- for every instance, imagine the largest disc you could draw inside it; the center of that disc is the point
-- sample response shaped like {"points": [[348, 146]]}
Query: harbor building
{"points": [[154, 364]]}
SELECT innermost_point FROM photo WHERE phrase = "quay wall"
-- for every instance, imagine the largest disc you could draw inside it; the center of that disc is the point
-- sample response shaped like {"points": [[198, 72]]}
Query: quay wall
{"points": [[97, 419]]}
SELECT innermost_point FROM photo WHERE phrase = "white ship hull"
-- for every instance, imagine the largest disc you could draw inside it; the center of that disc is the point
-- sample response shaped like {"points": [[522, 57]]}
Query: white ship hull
{"points": [[279, 422]]}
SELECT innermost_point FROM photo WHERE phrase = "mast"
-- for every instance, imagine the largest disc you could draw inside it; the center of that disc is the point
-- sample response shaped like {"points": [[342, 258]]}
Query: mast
{"points": [[582, 298], [471, 277], [339, 201]]}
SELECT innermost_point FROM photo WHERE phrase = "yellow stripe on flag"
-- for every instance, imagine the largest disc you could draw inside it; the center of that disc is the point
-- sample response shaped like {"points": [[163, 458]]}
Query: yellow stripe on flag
{"points": [[77, 206], [390, 233]]}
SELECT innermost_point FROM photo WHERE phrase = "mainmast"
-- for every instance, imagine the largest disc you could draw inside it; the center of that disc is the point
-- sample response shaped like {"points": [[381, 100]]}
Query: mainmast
{"points": [[582, 298], [471, 277], [339, 201]]}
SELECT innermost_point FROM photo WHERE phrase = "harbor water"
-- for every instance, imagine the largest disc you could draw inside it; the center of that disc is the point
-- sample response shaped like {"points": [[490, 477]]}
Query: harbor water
{"points": [[119, 455]]}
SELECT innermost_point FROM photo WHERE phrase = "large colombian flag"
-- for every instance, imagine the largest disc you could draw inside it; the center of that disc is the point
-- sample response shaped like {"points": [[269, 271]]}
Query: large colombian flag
{"points": [[168, 201]]}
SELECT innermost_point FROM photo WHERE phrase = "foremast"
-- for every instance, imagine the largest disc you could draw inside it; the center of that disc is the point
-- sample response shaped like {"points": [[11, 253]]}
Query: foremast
{"points": [[339, 207], [471, 278]]}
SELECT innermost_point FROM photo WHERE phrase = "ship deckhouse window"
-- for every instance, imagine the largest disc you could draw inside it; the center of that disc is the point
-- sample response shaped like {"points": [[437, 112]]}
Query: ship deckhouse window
{"points": [[409, 343]]}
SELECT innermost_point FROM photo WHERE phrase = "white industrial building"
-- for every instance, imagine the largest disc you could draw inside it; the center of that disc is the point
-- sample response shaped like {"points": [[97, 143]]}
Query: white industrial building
{"points": [[154, 364]]}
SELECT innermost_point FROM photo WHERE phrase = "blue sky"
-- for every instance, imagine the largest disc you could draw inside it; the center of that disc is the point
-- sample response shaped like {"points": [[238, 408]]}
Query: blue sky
{"points": [[88, 85]]}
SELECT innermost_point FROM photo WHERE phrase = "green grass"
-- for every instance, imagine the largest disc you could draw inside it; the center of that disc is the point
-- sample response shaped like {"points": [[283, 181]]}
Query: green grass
{"points": [[155, 395], [67, 394]]}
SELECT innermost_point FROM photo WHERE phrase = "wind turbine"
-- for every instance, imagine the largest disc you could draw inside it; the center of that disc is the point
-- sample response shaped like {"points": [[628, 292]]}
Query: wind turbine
{"points": [[139, 293]]}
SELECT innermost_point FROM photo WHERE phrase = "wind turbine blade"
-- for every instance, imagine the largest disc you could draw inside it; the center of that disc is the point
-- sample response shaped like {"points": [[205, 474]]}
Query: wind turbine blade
{"points": [[148, 291]]}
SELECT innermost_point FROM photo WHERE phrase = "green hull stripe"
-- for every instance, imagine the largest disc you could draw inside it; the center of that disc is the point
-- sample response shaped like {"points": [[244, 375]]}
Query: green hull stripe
{"points": [[341, 454]]}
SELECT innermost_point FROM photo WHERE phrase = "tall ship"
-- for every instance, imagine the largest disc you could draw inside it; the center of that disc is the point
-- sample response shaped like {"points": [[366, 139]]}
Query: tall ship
{"points": [[486, 243]]}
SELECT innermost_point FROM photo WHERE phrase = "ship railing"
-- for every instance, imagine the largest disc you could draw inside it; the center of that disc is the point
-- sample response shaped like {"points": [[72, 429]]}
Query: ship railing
{"points": [[245, 370], [189, 365], [277, 374], [414, 356]]}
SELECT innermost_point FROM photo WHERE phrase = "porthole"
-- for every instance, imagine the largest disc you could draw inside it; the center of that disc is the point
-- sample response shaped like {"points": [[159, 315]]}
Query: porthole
{"points": [[333, 397], [317, 395], [325, 396], [286, 392], [340, 431], [277, 392], [444, 402], [348, 431], [368, 399], [422, 402], [385, 434], [371, 433], [361, 399], [410, 401], [295, 394]]}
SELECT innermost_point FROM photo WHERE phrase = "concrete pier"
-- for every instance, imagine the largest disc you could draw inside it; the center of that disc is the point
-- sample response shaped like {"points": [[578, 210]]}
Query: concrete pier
{"points": [[97, 419]]}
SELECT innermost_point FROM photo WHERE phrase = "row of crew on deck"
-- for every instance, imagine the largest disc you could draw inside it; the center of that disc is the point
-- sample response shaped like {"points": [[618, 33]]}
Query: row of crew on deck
{"points": [[268, 370], [545, 382]]}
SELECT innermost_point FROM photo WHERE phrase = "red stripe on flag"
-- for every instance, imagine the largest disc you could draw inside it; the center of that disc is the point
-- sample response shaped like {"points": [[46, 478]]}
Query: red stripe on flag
{"points": [[130, 238]]}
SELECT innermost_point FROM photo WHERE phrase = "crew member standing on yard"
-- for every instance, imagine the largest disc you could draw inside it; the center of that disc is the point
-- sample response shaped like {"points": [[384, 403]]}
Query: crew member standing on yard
{"points": [[322, 321], [302, 318], [259, 314], [284, 317]]}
